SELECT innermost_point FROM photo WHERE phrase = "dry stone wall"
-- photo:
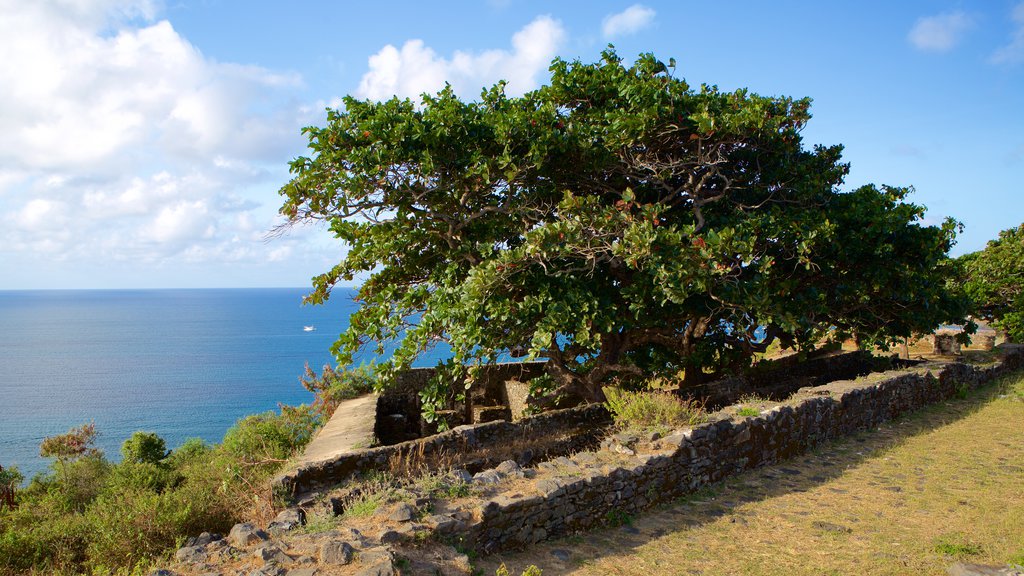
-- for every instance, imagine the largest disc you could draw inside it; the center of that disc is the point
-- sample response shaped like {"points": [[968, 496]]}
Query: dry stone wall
{"points": [[473, 447], [581, 492]]}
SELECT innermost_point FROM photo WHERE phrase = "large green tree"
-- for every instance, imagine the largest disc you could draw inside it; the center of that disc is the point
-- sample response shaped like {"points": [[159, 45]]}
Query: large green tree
{"points": [[994, 278], [616, 222]]}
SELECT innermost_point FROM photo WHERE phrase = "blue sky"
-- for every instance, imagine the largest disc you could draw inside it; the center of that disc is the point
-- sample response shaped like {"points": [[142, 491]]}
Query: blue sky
{"points": [[142, 143]]}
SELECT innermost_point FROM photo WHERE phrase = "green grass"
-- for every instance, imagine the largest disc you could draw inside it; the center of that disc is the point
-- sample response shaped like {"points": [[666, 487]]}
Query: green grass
{"points": [[651, 409]]}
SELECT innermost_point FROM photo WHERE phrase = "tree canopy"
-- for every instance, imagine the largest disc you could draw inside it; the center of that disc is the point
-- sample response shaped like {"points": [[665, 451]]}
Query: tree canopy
{"points": [[994, 278], [617, 222]]}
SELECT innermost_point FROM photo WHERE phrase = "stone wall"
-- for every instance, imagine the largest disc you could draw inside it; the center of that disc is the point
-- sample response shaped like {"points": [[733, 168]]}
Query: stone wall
{"points": [[582, 492], [472, 447], [777, 379], [398, 409]]}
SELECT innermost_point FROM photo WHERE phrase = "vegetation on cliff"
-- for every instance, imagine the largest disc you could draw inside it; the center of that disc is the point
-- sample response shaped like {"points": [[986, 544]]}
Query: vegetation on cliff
{"points": [[89, 515]]}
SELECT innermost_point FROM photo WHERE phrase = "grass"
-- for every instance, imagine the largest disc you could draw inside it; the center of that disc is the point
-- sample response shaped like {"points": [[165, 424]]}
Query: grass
{"points": [[912, 497], [651, 409]]}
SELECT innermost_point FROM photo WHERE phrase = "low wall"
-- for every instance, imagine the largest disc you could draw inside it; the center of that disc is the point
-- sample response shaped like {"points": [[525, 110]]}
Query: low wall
{"points": [[777, 379], [472, 447], [587, 493], [398, 408]]}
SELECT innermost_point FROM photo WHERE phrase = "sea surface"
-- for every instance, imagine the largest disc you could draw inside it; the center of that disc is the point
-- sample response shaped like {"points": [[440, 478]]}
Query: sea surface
{"points": [[180, 363]]}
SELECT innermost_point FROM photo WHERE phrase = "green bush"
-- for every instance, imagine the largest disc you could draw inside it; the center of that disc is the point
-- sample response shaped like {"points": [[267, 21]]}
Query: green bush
{"points": [[271, 437], [144, 447], [191, 451], [90, 516], [651, 409], [332, 386]]}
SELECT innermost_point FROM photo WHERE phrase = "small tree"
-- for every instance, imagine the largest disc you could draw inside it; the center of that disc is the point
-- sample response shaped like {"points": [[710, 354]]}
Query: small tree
{"points": [[144, 447], [994, 279], [74, 444], [616, 222]]}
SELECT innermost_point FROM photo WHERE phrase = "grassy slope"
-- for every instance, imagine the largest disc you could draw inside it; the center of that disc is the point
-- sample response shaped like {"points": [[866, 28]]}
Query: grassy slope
{"points": [[912, 497]]}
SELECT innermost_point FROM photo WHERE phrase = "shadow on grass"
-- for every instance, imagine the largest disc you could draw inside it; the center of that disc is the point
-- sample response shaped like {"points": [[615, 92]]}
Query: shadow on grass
{"points": [[799, 474]]}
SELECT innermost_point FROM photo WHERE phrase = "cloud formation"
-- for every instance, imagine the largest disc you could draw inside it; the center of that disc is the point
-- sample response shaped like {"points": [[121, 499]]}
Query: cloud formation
{"points": [[940, 33], [1013, 53], [120, 140], [416, 68], [629, 21]]}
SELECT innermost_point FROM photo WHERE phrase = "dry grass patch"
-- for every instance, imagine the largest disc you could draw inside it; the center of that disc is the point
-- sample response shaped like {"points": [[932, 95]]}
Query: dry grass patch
{"points": [[913, 497]]}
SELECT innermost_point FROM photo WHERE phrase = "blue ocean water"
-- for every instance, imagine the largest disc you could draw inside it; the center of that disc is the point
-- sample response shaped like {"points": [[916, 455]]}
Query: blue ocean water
{"points": [[181, 363]]}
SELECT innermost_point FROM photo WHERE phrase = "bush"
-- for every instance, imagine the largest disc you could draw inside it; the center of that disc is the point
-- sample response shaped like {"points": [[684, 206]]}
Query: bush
{"points": [[271, 437], [191, 451], [333, 386], [651, 409], [144, 447]]}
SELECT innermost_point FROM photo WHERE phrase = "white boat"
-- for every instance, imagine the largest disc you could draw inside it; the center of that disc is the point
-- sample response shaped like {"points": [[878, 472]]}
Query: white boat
{"points": [[308, 328]]}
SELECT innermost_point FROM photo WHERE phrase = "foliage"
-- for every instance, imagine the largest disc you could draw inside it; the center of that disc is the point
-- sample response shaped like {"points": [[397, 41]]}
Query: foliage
{"points": [[530, 570], [10, 479], [747, 411], [93, 516], [651, 409], [332, 386], [144, 447], [271, 437], [994, 278], [75, 443], [616, 222]]}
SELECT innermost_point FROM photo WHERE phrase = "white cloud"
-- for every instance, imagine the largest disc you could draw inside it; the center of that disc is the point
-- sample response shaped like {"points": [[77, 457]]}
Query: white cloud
{"points": [[939, 33], [1013, 53], [121, 141], [629, 21], [416, 68]]}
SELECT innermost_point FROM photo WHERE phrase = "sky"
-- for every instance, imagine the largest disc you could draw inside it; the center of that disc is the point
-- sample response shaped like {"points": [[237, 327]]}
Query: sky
{"points": [[142, 143]]}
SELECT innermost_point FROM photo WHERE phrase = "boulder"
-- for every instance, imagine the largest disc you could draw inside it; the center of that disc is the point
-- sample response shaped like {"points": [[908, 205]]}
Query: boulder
{"points": [[246, 534]]}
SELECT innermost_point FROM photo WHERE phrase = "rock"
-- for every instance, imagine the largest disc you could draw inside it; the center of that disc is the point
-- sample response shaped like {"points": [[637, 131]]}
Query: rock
{"points": [[652, 436], [203, 539], [269, 570], [488, 477], [246, 534], [162, 573], [336, 552], [962, 569], [390, 537], [379, 561], [303, 572], [443, 524], [460, 475], [548, 487], [295, 516], [190, 555], [509, 467], [272, 554], [379, 569], [403, 512], [625, 439]]}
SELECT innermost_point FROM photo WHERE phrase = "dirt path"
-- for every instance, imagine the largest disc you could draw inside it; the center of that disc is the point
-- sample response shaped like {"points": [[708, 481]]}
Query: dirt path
{"points": [[349, 428], [912, 497]]}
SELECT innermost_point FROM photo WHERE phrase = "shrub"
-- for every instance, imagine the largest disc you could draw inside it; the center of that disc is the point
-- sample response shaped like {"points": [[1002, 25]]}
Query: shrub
{"points": [[333, 386], [271, 437], [144, 447], [191, 451], [647, 409]]}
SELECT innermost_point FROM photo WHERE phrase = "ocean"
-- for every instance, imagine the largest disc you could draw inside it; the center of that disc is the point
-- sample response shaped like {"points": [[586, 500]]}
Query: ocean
{"points": [[180, 363]]}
